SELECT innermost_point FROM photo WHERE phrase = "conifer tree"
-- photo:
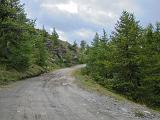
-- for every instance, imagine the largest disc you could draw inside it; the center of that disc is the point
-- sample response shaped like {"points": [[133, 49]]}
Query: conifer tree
{"points": [[96, 40], [83, 45], [151, 68], [104, 38], [126, 38], [55, 37], [14, 30], [83, 49], [41, 48]]}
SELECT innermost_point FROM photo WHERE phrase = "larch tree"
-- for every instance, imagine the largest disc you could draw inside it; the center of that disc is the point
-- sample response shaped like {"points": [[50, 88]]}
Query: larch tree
{"points": [[126, 40]]}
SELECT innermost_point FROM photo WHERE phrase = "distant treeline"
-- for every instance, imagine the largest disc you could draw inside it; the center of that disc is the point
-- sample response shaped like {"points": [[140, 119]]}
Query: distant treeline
{"points": [[128, 62]]}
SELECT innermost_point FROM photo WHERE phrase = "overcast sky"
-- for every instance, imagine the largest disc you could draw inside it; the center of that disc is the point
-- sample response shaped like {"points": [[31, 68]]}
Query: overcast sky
{"points": [[80, 19]]}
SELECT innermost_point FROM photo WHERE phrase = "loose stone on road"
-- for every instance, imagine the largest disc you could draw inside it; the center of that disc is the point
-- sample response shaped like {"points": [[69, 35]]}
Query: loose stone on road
{"points": [[54, 96]]}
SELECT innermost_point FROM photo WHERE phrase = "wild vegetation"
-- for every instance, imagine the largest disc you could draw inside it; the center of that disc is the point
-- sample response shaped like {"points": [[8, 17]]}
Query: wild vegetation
{"points": [[26, 51], [128, 62]]}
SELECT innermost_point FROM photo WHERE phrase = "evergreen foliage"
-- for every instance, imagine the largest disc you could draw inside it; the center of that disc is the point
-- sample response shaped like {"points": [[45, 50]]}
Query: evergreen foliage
{"points": [[83, 52], [23, 47], [129, 61], [55, 36]]}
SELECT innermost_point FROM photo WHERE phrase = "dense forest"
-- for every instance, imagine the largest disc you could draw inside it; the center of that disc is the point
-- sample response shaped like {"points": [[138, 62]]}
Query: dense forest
{"points": [[26, 51], [127, 62]]}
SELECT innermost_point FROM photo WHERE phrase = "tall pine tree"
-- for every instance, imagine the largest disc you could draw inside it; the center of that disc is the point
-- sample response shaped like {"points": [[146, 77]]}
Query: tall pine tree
{"points": [[126, 40]]}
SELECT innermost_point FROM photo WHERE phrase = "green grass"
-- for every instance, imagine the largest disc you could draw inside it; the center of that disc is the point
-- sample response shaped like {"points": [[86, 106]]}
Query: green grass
{"points": [[139, 114], [9, 76], [88, 84]]}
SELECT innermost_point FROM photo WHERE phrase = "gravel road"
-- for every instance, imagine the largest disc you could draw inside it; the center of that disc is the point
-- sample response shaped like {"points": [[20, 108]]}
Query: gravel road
{"points": [[54, 96]]}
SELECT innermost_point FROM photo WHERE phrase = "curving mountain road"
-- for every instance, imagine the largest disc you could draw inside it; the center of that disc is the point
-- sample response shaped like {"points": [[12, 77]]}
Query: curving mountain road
{"points": [[52, 96]]}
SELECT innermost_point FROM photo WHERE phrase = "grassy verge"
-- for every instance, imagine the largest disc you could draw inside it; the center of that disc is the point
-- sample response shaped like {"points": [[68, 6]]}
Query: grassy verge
{"points": [[12, 75], [88, 84]]}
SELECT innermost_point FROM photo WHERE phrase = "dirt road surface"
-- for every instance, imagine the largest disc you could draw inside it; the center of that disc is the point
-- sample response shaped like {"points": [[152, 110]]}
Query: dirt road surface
{"points": [[52, 96]]}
